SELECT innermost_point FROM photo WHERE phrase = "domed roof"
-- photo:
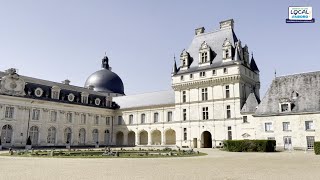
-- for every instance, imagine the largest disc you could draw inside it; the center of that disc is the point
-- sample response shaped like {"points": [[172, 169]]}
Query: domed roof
{"points": [[105, 80]]}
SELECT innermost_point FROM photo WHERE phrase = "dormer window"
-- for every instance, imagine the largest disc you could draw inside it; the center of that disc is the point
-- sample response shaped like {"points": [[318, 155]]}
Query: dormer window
{"points": [[84, 97], [55, 92], [285, 107], [204, 54], [226, 49], [70, 97], [38, 92], [204, 57], [185, 60], [97, 101]]}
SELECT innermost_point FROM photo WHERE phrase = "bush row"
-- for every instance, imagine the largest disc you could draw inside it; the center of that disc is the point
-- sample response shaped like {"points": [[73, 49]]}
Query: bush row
{"points": [[317, 147], [250, 145]]}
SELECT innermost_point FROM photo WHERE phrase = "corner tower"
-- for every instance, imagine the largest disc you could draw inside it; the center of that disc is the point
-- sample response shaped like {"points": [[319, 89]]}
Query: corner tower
{"points": [[213, 82]]}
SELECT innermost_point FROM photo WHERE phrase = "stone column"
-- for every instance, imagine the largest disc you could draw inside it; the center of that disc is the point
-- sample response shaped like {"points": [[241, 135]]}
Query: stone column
{"points": [[149, 138]]}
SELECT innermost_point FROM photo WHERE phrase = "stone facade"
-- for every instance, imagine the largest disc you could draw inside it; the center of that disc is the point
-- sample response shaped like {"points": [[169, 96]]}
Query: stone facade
{"points": [[214, 97]]}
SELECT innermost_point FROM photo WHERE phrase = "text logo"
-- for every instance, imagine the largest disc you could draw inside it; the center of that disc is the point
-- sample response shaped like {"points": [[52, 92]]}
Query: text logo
{"points": [[300, 15]]}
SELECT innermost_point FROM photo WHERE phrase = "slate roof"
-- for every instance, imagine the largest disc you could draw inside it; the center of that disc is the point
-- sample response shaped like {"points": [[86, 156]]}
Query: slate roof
{"points": [[145, 99], [33, 83], [301, 90], [251, 104], [215, 40]]}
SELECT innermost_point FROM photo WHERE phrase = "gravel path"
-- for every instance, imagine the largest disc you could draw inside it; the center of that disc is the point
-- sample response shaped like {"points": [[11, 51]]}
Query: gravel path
{"points": [[216, 165]]}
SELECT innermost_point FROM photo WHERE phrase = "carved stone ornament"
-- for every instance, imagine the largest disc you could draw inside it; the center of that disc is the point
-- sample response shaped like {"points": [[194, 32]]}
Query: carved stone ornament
{"points": [[245, 135], [12, 83]]}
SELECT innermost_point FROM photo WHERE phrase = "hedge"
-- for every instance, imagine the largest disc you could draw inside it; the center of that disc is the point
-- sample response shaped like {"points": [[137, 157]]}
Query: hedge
{"points": [[250, 145], [317, 147]]}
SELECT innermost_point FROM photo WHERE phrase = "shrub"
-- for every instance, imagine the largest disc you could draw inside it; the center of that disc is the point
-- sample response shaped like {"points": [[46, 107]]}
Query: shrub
{"points": [[317, 147], [250, 145]]}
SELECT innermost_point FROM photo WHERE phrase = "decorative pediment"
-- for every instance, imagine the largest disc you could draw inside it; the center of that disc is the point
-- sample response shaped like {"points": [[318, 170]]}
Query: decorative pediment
{"points": [[204, 45], [12, 83], [284, 100], [226, 43]]}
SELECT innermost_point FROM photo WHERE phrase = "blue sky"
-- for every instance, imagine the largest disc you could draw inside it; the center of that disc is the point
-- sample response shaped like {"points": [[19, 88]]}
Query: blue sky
{"points": [[55, 40]]}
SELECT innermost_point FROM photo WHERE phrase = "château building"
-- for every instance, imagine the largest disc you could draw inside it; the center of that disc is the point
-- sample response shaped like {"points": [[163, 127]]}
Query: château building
{"points": [[214, 97]]}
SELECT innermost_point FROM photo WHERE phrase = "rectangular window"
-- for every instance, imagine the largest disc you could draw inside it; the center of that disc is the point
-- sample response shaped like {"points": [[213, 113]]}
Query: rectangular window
{"points": [[225, 70], [228, 112], [143, 118], [96, 120], [69, 117], [310, 142], [130, 119], [204, 94], [169, 116], [35, 114], [53, 116], [229, 133], [119, 120], [108, 121], [202, 74], [286, 126], [245, 119], [309, 125], [205, 113], [181, 77], [185, 135], [268, 127], [9, 112], [227, 91], [83, 119], [191, 76], [156, 117], [184, 114], [214, 72], [184, 96]]}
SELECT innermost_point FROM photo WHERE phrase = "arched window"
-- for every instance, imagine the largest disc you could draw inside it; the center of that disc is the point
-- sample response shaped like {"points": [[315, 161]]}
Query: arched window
{"points": [[51, 139], [6, 134], [143, 118], [34, 135], [95, 135], [67, 135]]}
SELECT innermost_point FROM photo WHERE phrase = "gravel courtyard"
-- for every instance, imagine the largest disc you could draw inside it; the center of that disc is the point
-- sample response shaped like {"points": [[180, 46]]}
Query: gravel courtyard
{"points": [[216, 165]]}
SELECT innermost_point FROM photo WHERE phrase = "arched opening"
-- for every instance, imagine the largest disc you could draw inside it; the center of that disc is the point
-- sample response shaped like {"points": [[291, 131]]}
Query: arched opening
{"points": [[34, 135], [206, 140], [82, 136], [6, 135], [95, 136], [51, 139], [143, 137], [131, 138], [107, 137], [156, 137], [67, 135], [119, 138], [170, 137]]}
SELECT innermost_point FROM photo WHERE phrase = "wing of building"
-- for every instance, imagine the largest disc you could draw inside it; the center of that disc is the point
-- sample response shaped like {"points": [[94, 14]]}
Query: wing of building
{"points": [[214, 97]]}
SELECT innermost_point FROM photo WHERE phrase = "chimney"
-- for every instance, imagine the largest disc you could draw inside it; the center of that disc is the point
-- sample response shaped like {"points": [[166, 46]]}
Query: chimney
{"points": [[199, 30], [227, 24], [66, 82]]}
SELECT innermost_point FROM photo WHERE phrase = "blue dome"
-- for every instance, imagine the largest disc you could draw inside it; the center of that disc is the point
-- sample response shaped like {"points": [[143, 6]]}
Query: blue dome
{"points": [[105, 80]]}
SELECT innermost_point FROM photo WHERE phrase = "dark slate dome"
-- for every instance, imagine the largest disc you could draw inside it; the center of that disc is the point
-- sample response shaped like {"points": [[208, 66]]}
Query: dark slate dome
{"points": [[105, 80]]}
